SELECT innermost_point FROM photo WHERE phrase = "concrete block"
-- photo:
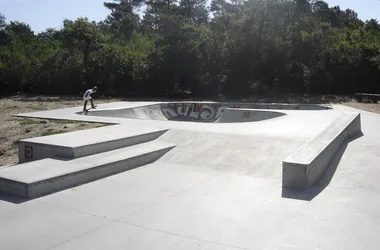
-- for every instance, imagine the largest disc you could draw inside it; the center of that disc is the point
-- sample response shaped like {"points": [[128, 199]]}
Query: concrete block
{"points": [[37, 178], [304, 168], [83, 143]]}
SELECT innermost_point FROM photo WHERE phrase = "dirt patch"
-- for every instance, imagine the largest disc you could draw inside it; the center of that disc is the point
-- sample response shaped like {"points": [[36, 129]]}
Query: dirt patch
{"points": [[14, 128], [370, 107]]}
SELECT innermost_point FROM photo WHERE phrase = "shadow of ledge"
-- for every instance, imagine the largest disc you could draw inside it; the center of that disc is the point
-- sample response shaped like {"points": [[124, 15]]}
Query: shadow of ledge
{"points": [[311, 193]]}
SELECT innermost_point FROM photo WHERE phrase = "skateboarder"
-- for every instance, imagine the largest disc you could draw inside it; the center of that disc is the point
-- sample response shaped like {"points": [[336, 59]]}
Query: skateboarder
{"points": [[87, 96]]}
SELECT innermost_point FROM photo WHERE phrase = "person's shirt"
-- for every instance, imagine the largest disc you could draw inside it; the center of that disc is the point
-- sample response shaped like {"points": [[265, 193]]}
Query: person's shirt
{"points": [[87, 94]]}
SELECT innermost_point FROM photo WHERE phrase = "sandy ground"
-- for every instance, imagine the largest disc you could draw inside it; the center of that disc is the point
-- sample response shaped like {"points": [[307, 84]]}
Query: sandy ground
{"points": [[13, 128]]}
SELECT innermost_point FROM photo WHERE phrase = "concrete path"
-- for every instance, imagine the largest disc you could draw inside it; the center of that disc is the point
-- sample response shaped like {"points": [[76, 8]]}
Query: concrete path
{"points": [[220, 188]]}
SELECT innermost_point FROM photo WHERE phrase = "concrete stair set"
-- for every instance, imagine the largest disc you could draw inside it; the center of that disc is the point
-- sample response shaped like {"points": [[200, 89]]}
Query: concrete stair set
{"points": [[54, 163]]}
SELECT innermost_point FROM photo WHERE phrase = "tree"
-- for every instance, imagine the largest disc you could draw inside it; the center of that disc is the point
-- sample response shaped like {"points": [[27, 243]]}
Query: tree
{"points": [[194, 11], [372, 25], [157, 14], [2, 21], [3, 35], [243, 48], [82, 35], [49, 34], [123, 19]]}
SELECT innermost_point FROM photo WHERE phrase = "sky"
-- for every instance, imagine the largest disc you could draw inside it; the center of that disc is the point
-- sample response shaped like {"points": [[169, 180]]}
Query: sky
{"points": [[43, 14]]}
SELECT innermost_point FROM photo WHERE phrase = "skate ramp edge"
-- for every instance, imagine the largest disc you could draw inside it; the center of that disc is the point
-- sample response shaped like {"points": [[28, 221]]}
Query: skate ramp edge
{"points": [[114, 112], [305, 167], [201, 112], [210, 114], [230, 115]]}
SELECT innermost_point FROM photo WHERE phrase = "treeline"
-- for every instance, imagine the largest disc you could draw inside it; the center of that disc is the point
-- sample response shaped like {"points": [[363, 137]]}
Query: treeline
{"points": [[231, 48]]}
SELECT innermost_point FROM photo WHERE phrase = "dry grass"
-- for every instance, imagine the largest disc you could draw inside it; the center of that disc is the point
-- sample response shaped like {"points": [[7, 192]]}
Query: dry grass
{"points": [[13, 129], [371, 107]]}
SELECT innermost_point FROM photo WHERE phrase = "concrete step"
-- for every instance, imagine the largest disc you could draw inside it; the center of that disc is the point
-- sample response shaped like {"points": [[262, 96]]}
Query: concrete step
{"points": [[86, 142], [37, 178]]}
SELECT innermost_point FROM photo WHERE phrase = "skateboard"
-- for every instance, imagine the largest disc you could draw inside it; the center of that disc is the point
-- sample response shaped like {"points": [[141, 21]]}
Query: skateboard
{"points": [[89, 109]]}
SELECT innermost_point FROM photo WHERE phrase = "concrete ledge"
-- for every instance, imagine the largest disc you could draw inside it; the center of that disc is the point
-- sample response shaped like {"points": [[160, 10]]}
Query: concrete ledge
{"points": [[85, 142], [42, 177], [305, 167]]}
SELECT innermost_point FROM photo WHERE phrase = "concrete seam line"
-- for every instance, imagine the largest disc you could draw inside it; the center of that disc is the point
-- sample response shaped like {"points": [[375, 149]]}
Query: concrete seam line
{"points": [[180, 235], [170, 197], [80, 235]]}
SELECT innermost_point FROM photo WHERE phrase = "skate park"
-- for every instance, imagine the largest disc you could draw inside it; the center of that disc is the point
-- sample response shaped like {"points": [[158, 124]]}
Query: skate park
{"points": [[197, 175]]}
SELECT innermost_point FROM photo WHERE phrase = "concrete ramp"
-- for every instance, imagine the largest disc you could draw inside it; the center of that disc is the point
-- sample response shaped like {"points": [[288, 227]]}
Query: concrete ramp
{"points": [[152, 112], [247, 115], [114, 112]]}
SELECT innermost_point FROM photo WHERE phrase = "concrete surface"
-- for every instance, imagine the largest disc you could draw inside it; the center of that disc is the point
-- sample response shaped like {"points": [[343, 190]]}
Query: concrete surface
{"points": [[307, 165], [220, 188], [85, 142]]}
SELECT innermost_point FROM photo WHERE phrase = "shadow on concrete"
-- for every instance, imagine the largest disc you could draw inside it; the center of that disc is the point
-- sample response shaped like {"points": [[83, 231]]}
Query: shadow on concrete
{"points": [[311, 193]]}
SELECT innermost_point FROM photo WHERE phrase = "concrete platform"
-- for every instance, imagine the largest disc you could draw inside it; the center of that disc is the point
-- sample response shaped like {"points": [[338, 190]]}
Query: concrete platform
{"points": [[219, 188], [30, 180], [83, 143]]}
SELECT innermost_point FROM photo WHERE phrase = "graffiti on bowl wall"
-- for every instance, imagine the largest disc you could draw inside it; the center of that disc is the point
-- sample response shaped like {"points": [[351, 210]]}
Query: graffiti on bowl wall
{"points": [[196, 111]]}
